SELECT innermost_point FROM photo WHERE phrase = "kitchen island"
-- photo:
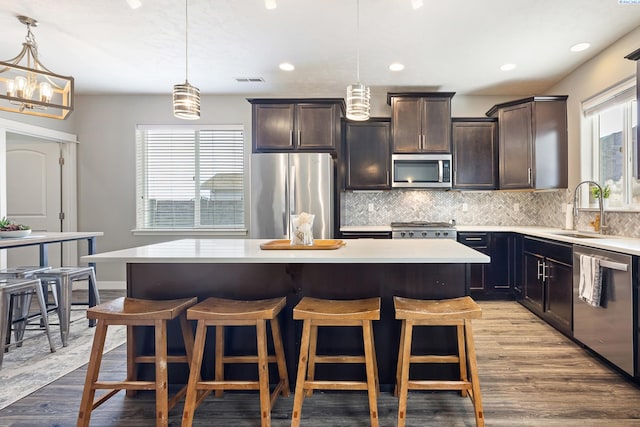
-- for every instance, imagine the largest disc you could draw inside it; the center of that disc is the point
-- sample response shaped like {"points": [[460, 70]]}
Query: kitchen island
{"points": [[363, 268]]}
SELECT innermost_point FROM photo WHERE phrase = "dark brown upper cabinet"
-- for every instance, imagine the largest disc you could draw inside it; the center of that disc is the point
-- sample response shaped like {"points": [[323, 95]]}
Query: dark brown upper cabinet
{"points": [[421, 122], [296, 124], [367, 154], [475, 153], [533, 151]]}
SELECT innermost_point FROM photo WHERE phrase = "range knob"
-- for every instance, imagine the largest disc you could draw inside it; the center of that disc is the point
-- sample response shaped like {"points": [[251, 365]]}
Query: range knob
{"points": [[437, 234], [424, 234], [411, 234], [402, 233], [446, 233]]}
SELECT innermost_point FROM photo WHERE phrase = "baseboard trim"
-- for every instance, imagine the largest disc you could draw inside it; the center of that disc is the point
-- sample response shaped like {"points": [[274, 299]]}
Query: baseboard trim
{"points": [[112, 285]]}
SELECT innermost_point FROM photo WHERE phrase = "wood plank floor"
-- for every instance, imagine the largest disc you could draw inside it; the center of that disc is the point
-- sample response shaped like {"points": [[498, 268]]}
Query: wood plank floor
{"points": [[530, 375]]}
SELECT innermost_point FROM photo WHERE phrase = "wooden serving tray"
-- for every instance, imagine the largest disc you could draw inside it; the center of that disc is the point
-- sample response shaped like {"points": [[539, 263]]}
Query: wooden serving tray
{"points": [[317, 244]]}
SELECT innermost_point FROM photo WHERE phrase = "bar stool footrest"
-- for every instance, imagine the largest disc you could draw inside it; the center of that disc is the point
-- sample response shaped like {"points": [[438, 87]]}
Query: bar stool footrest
{"points": [[438, 385], [335, 385]]}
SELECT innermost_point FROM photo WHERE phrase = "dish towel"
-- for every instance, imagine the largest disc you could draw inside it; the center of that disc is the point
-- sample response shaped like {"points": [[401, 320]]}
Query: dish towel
{"points": [[590, 288]]}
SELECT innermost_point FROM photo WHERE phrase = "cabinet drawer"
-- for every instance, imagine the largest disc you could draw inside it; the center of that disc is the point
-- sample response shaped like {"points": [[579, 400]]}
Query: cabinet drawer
{"points": [[554, 250], [476, 240]]}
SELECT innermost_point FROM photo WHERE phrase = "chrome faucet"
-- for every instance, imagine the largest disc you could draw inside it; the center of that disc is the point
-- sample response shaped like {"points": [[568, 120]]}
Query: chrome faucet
{"points": [[600, 205]]}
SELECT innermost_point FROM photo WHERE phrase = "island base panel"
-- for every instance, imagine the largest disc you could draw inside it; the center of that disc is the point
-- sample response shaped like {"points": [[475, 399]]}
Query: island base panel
{"points": [[331, 281]]}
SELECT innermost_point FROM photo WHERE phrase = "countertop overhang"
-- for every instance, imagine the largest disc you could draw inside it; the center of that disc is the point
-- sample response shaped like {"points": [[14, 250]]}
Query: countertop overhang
{"points": [[360, 251]]}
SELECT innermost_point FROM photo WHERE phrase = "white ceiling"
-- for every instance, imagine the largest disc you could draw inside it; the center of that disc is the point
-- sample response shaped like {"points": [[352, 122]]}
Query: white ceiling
{"points": [[447, 45]]}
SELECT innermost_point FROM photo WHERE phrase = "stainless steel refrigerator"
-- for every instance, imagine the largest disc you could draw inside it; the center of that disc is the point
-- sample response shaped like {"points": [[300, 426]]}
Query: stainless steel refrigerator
{"points": [[283, 184]]}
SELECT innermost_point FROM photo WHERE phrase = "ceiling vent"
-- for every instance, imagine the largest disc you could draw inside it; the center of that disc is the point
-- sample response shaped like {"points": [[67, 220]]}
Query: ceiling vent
{"points": [[249, 79]]}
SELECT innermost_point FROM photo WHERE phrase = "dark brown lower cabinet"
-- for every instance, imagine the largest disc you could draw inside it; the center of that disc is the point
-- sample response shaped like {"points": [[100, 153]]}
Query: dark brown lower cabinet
{"points": [[548, 281], [496, 279]]}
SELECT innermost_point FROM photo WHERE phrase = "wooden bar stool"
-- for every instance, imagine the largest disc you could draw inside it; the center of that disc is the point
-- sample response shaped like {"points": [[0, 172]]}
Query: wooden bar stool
{"points": [[11, 287], [221, 313], [136, 312], [456, 312], [321, 312]]}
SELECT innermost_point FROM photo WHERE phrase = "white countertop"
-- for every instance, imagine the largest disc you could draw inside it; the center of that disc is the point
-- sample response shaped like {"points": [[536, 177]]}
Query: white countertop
{"points": [[627, 245], [360, 251]]}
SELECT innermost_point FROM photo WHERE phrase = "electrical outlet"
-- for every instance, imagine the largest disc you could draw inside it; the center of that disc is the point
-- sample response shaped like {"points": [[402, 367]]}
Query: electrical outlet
{"points": [[516, 207], [370, 207], [465, 207]]}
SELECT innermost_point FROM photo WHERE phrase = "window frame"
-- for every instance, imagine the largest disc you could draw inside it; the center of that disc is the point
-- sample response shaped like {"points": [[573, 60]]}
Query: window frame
{"points": [[140, 187]]}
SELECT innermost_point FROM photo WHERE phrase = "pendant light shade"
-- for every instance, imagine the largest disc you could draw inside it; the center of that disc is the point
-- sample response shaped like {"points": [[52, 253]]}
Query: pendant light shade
{"points": [[186, 101], [186, 98], [358, 102], [358, 95]]}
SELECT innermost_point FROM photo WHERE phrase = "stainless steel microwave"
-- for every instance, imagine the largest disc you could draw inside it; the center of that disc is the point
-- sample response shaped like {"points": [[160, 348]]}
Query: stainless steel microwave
{"points": [[421, 170]]}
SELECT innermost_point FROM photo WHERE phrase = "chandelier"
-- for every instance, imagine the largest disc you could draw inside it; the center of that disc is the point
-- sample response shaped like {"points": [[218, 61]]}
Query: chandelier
{"points": [[358, 95], [186, 98], [31, 88]]}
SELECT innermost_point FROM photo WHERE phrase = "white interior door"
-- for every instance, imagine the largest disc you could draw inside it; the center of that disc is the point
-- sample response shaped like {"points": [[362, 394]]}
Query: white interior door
{"points": [[34, 193]]}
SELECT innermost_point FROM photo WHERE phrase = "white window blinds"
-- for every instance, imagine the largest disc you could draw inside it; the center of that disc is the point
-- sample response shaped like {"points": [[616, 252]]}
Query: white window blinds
{"points": [[190, 177]]}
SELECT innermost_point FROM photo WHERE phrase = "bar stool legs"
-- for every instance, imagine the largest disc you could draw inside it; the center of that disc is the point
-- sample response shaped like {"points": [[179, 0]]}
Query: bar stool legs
{"points": [[223, 313], [136, 312], [11, 287], [456, 312], [318, 313], [64, 278]]}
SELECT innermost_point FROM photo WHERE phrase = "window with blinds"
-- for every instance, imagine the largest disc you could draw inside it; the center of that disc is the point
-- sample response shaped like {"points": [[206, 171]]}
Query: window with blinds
{"points": [[611, 146], [190, 177]]}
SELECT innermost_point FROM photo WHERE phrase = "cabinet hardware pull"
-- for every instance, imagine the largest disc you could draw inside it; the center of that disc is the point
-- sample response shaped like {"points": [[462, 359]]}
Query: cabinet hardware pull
{"points": [[540, 274], [545, 268], [475, 239], [529, 176]]}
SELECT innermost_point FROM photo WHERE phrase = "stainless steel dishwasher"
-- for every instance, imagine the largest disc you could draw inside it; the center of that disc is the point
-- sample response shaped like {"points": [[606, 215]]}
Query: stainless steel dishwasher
{"points": [[608, 329]]}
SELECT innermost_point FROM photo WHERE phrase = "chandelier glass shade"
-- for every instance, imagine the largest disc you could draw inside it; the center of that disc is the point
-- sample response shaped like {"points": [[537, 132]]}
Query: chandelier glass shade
{"points": [[31, 88], [358, 95], [186, 98]]}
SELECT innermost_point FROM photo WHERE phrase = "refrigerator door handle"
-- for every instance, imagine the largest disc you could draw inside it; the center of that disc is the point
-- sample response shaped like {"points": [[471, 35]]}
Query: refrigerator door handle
{"points": [[292, 198], [285, 212]]}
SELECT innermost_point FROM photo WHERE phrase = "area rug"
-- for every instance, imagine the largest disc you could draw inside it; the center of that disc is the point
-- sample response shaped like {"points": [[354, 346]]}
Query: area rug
{"points": [[32, 366]]}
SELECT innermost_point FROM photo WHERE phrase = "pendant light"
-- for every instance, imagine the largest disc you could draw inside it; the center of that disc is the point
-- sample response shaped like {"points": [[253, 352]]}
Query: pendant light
{"points": [[186, 98], [358, 95]]}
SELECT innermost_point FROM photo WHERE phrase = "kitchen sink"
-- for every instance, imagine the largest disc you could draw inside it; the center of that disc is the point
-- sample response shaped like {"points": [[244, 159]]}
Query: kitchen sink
{"points": [[577, 235]]}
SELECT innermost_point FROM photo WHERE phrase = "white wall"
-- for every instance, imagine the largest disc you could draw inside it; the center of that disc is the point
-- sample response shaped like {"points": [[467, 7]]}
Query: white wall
{"points": [[598, 74], [106, 161]]}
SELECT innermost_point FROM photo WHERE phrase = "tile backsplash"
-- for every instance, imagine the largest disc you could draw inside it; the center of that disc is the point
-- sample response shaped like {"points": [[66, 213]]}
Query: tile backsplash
{"points": [[545, 208]]}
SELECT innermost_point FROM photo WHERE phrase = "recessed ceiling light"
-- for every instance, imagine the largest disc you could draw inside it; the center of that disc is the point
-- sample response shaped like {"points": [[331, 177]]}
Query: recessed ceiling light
{"points": [[285, 66], [270, 4], [417, 4], [396, 66], [134, 4], [580, 47], [508, 67]]}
